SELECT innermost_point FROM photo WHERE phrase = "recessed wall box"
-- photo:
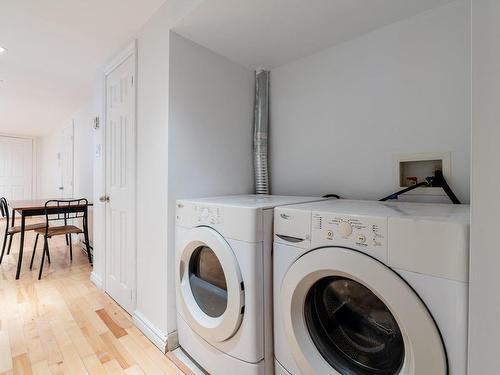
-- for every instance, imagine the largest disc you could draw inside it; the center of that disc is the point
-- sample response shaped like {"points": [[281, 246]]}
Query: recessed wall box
{"points": [[410, 169]]}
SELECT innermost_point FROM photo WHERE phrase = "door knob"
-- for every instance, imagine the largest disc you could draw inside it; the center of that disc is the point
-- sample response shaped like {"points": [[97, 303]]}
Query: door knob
{"points": [[104, 199], [61, 187]]}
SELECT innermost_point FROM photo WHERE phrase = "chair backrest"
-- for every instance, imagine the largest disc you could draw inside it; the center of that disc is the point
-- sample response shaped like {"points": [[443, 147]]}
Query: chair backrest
{"points": [[4, 209], [66, 209]]}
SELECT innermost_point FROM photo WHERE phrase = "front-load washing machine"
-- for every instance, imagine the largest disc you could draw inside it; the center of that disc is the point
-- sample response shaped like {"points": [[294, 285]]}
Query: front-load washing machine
{"points": [[224, 281], [371, 288]]}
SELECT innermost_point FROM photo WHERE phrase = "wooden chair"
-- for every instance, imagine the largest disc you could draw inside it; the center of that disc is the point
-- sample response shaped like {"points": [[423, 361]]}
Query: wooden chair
{"points": [[11, 230], [63, 210]]}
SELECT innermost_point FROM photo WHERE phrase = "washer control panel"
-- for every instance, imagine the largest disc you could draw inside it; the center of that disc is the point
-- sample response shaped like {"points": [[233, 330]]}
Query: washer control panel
{"points": [[366, 234]]}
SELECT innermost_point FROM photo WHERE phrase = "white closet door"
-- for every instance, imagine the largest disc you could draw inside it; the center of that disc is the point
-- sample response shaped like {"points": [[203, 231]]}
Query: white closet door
{"points": [[16, 168], [120, 183]]}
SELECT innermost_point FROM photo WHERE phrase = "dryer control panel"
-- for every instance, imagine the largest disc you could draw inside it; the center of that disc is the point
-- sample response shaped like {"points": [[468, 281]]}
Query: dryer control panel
{"points": [[363, 233], [208, 215]]}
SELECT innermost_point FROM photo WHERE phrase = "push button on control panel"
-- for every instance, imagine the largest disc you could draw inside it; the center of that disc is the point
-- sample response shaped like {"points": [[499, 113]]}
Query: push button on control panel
{"points": [[361, 238]]}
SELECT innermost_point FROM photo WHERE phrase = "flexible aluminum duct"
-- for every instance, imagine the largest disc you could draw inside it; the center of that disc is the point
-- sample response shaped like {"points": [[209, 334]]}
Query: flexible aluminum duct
{"points": [[261, 132]]}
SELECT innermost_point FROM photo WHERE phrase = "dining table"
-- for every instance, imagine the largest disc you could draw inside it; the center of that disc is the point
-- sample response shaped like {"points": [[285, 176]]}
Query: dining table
{"points": [[35, 207]]}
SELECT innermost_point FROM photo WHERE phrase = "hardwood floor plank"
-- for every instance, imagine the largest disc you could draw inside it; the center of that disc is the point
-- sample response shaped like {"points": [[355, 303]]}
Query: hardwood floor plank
{"points": [[145, 362], [35, 350], [5, 353], [41, 368], [21, 365], [113, 368], [134, 370], [117, 330], [186, 370], [72, 361], [16, 336], [80, 342], [49, 343], [93, 365], [117, 350], [162, 361], [100, 348], [139, 337]]}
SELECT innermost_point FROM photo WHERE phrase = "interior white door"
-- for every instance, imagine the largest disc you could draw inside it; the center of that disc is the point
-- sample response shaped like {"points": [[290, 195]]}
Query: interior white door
{"points": [[16, 168], [67, 162], [120, 183]]}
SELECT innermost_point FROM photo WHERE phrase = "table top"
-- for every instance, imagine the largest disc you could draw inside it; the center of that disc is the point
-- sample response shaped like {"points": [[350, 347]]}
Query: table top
{"points": [[34, 204]]}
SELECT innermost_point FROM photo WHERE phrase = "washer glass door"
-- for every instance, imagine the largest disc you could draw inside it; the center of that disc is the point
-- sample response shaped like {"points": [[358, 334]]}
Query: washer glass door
{"points": [[208, 282], [344, 312], [352, 328], [210, 285]]}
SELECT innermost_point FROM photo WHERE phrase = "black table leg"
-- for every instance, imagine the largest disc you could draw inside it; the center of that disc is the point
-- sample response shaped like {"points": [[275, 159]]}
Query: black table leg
{"points": [[21, 245], [86, 234], [12, 235]]}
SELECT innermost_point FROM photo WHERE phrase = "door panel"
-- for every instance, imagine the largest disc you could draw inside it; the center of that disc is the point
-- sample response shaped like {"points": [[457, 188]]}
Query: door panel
{"points": [[120, 177], [16, 168]]}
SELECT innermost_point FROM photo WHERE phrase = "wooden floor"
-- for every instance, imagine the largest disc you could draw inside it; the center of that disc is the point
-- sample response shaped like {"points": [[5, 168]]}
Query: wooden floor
{"points": [[63, 324]]}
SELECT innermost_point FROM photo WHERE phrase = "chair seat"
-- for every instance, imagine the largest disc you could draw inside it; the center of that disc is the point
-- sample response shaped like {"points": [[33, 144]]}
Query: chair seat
{"points": [[60, 230], [17, 229]]}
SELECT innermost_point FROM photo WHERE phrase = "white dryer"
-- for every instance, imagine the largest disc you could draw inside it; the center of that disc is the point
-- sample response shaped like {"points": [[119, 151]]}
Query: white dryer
{"points": [[371, 288], [224, 281]]}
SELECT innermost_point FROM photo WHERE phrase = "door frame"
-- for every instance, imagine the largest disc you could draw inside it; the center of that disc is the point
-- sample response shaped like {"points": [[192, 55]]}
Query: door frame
{"points": [[128, 51]]}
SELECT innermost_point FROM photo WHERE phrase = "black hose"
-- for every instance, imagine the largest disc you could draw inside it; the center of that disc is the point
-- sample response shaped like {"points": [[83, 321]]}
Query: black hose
{"points": [[331, 196], [398, 193], [437, 181], [440, 181]]}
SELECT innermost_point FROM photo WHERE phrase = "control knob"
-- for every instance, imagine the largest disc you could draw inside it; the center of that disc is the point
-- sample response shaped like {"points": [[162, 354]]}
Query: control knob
{"points": [[345, 229]]}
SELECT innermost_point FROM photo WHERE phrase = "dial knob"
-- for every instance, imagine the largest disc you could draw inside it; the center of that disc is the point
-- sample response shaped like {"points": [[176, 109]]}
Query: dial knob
{"points": [[345, 229]]}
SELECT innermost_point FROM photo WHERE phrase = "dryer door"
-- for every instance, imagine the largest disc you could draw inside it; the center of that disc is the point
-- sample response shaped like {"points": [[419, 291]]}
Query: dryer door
{"points": [[211, 288], [346, 313]]}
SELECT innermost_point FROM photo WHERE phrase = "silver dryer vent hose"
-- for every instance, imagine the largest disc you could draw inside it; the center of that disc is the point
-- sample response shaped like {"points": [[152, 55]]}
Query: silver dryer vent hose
{"points": [[261, 132]]}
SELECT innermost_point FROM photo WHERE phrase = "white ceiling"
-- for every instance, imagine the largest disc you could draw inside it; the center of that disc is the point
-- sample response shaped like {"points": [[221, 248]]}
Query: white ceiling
{"points": [[55, 49], [269, 33]]}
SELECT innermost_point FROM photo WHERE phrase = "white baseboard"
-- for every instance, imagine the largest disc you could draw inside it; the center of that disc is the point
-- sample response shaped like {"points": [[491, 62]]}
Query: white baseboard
{"points": [[172, 341], [155, 335], [96, 279]]}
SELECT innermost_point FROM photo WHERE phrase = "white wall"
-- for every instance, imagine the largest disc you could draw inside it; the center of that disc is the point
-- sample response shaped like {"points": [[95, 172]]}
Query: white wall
{"points": [[339, 116], [152, 168], [210, 133], [485, 255], [83, 186], [48, 164], [99, 188]]}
